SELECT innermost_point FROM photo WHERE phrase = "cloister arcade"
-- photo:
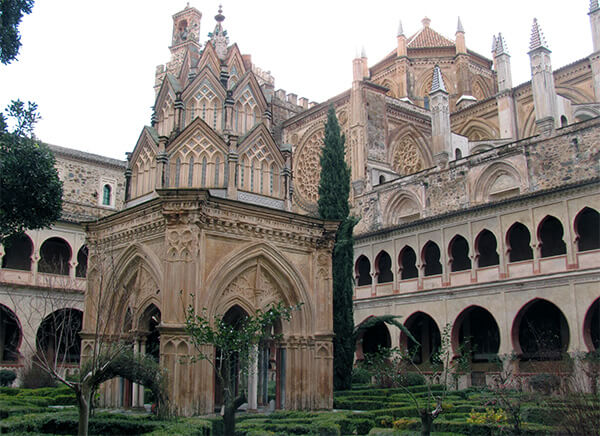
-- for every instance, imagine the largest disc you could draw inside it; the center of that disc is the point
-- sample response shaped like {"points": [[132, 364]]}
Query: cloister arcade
{"points": [[519, 282], [539, 332], [519, 245], [49, 268]]}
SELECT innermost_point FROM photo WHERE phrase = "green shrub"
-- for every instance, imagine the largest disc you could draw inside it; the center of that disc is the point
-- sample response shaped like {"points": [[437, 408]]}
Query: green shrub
{"points": [[544, 383], [360, 375], [7, 377], [33, 376], [412, 379], [9, 391]]}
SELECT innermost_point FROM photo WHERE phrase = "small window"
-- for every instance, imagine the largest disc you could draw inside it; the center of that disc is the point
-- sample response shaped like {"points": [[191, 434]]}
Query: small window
{"points": [[106, 195], [381, 179], [457, 154], [426, 102], [563, 121]]}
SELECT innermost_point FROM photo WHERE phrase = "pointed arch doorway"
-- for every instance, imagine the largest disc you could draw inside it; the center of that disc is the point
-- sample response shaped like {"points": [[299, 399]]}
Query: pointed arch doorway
{"points": [[262, 379]]}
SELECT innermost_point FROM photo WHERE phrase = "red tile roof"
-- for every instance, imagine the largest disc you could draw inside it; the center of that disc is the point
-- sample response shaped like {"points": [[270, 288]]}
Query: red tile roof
{"points": [[427, 38]]}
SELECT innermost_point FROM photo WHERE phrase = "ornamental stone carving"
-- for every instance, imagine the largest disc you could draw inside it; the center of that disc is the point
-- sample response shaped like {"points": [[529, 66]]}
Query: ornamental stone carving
{"points": [[308, 168], [182, 244], [407, 158]]}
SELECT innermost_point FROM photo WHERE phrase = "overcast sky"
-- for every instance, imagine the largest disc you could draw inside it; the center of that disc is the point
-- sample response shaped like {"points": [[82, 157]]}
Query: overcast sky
{"points": [[90, 64]]}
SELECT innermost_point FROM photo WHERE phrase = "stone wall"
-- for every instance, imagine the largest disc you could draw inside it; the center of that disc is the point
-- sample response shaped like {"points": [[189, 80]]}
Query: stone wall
{"points": [[84, 176], [570, 156]]}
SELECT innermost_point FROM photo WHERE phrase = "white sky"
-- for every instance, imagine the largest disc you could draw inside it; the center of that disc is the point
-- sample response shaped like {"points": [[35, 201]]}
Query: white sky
{"points": [[90, 64]]}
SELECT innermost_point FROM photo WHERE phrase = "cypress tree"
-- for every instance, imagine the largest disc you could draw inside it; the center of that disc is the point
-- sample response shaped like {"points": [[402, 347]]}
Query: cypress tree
{"points": [[334, 189]]}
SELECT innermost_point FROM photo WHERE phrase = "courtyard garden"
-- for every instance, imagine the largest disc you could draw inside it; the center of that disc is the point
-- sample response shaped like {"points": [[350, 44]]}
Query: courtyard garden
{"points": [[363, 410]]}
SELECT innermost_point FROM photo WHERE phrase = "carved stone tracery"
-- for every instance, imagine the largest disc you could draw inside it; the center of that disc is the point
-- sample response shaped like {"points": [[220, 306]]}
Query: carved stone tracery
{"points": [[407, 158], [308, 168]]}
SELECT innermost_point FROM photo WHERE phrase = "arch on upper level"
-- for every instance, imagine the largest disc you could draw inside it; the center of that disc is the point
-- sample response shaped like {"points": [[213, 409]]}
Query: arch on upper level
{"points": [[18, 250], [527, 122], [249, 104], [198, 149], [477, 130], [205, 98], [408, 151], [497, 181], [209, 60], [402, 207], [425, 78], [143, 164]]}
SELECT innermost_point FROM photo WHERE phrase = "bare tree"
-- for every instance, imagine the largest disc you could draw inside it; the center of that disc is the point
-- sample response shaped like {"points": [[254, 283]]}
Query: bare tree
{"points": [[108, 347]]}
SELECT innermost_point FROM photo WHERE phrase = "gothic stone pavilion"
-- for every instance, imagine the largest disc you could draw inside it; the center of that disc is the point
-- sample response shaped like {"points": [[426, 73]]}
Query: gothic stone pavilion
{"points": [[478, 202], [208, 222]]}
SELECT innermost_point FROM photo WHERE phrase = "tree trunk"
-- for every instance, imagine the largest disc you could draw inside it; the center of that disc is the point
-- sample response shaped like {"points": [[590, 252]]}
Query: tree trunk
{"points": [[83, 395], [229, 419], [426, 422]]}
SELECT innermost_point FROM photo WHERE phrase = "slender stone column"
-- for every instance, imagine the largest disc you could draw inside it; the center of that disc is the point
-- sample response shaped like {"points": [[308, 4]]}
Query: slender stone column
{"points": [[141, 387], [253, 379], [135, 392]]}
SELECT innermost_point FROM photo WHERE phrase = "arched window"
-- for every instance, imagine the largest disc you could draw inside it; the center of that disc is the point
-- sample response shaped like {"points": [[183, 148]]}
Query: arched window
{"points": [[203, 175], [362, 270], [17, 252], [55, 254], [10, 335], [457, 154], [177, 171], [431, 259], [459, 253], [271, 171], [518, 239], [591, 326], [550, 235], [384, 268], [58, 335], [215, 103], [252, 176], [381, 179], [82, 260], [191, 172], [217, 167], [587, 228], [477, 335], [486, 245], [242, 175], [375, 338], [541, 331], [425, 330], [563, 121], [408, 263], [106, 195]]}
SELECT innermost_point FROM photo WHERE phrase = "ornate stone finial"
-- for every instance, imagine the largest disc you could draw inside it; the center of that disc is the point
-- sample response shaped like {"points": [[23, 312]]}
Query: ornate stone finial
{"points": [[594, 5], [501, 47], [493, 44], [426, 22], [363, 53], [537, 37], [400, 29], [218, 37], [437, 84], [220, 17], [459, 26]]}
